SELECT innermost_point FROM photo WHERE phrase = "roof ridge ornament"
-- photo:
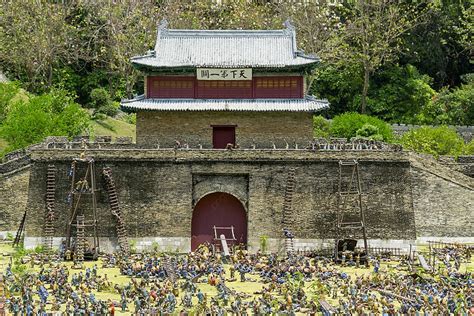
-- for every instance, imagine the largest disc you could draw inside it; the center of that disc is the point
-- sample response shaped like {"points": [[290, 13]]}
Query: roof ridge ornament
{"points": [[162, 31], [163, 25], [289, 26], [291, 30]]}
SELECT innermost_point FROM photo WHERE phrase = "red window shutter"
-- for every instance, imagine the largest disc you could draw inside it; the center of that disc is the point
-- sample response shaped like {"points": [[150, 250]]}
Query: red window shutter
{"points": [[170, 87], [278, 87]]}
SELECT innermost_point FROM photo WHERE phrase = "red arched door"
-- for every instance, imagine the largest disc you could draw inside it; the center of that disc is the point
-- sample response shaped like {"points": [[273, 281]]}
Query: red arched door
{"points": [[221, 210]]}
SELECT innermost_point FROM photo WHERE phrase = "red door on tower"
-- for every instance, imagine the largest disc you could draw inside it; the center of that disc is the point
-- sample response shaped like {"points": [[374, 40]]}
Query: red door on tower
{"points": [[223, 135]]}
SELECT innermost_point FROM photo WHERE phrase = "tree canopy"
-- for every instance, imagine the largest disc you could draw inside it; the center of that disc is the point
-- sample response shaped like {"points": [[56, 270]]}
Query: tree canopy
{"points": [[402, 61]]}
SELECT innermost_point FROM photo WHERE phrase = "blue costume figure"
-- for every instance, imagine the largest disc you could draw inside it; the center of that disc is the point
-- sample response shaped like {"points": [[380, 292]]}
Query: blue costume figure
{"points": [[171, 300], [92, 299], [376, 267], [123, 303], [200, 296], [43, 294], [138, 304]]}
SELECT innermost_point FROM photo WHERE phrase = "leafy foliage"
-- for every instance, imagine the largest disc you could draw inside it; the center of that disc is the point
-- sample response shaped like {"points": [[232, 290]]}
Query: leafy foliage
{"points": [[348, 124], [441, 46], [54, 113], [7, 92], [340, 83], [369, 131], [399, 93], [99, 97], [321, 127], [454, 107], [378, 57], [469, 148], [435, 141]]}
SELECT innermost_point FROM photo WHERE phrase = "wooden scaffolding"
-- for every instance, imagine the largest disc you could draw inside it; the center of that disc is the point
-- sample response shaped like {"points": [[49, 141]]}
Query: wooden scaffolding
{"points": [[83, 209]]}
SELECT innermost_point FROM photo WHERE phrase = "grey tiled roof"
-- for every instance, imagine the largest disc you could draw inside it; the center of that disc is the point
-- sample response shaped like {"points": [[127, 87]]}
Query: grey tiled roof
{"points": [[225, 49], [308, 104]]}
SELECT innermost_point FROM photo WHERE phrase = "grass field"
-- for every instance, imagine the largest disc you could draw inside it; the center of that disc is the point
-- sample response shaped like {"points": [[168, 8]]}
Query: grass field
{"points": [[249, 287], [113, 127]]}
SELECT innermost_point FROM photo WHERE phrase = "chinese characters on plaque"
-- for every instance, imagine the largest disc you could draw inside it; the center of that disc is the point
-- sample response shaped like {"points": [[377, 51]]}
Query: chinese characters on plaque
{"points": [[224, 74]]}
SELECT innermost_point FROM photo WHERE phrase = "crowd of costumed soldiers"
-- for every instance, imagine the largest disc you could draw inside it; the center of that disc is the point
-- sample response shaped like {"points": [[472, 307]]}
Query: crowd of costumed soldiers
{"points": [[173, 284]]}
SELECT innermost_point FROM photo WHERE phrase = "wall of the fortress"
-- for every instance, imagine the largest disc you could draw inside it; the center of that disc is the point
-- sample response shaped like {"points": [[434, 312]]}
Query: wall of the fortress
{"points": [[157, 197], [443, 208], [164, 128], [13, 200]]}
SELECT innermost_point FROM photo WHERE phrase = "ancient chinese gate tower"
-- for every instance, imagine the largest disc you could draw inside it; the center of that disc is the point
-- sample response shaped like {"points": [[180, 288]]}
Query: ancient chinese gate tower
{"points": [[214, 88], [223, 89]]}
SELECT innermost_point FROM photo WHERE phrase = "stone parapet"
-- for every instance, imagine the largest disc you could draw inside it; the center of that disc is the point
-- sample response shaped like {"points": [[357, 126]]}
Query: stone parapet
{"points": [[238, 155]]}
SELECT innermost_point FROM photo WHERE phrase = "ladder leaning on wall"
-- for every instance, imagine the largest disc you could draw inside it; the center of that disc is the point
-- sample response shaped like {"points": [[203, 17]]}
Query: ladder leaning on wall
{"points": [[288, 218], [350, 211], [115, 209]]}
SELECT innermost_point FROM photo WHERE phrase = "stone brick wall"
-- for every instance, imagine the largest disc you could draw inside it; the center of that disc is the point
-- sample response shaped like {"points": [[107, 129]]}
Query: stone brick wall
{"points": [[463, 164], [405, 198], [13, 199], [158, 189], [443, 208], [261, 128]]}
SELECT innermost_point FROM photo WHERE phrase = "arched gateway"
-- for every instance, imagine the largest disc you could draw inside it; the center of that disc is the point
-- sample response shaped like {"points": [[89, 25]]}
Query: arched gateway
{"points": [[218, 209]]}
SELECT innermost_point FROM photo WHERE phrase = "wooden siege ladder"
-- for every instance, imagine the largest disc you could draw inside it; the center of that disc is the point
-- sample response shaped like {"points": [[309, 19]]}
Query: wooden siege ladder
{"points": [[48, 229], [349, 203], [80, 238], [115, 209], [288, 219], [19, 232], [83, 214]]}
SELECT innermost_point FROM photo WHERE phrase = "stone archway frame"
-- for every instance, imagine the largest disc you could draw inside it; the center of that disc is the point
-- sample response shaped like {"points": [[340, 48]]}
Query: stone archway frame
{"points": [[234, 184]]}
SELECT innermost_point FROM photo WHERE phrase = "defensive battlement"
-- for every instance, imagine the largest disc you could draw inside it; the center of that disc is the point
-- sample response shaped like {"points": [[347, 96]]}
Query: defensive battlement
{"points": [[318, 149], [105, 142]]}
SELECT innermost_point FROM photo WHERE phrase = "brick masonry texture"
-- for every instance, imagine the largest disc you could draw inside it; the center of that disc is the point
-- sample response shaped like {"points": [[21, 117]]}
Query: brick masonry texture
{"points": [[164, 128], [13, 199], [158, 189]]}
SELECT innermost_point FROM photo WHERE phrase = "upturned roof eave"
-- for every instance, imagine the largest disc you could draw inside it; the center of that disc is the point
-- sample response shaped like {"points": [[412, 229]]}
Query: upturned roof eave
{"points": [[303, 67], [307, 104]]}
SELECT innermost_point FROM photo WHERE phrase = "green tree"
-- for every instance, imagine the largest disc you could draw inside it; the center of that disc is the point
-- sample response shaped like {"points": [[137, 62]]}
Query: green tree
{"points": [[348, 124], [203, 14], [372, 34], [454, 107], [34, 39], [399, 93], [435, 141], [54, 113], [441, 46], [341, 84]]}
